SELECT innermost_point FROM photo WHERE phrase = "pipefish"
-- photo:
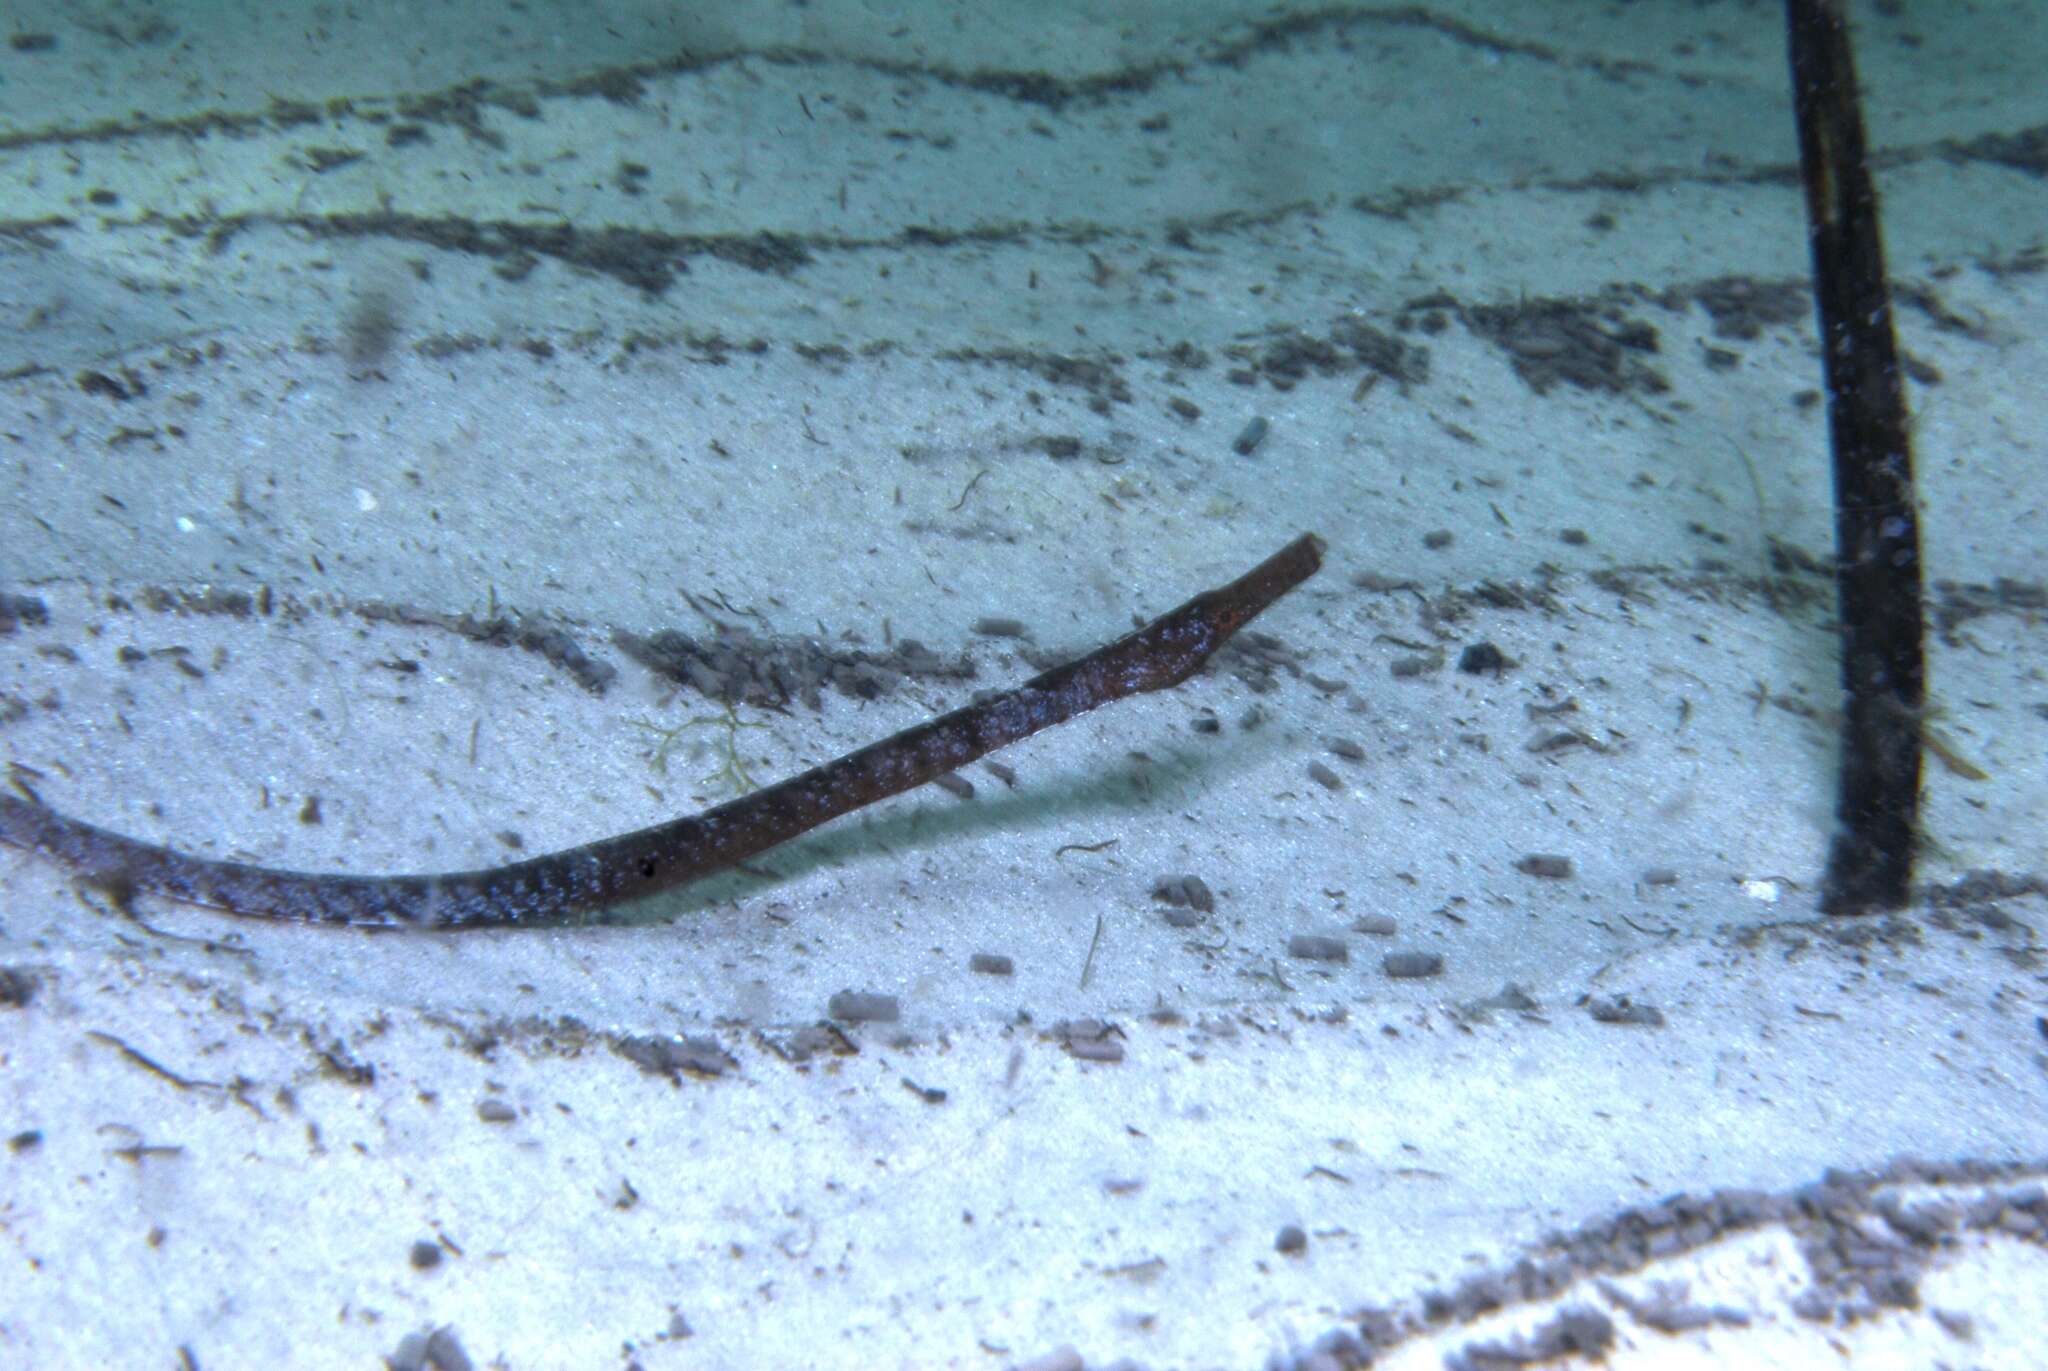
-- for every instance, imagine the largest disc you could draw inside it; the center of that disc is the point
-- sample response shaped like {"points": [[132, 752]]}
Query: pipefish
{"points": [[611, 871]]}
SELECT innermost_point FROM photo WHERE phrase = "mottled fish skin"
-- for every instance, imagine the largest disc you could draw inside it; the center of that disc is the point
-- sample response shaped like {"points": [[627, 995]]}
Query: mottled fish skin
{"points": [[611, 871]]}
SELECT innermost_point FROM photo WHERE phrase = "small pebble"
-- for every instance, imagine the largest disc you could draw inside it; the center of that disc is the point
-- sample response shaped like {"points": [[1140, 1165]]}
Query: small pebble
{"points": [[1512, 996], [1482, 659], [1412, 966], [860, 1006], [445, 1352], [496, 1111], [1660, 875], [1379, 925], [1548, 865], [665, 1056], [1956, 1324], [1061, 1359], [1345, 748], [1291, 1241], [1318, 947], [991, 964], [1324, 777], [1185, 890], [437, 1350], [17, 988], [1096, 1049], [994, 627], [1621, 1010], [1437, 539], [1250, 436], [425, 1255]]}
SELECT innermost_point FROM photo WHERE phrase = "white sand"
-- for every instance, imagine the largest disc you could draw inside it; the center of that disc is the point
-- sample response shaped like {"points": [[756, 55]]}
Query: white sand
{"points": [[241, 1130]]}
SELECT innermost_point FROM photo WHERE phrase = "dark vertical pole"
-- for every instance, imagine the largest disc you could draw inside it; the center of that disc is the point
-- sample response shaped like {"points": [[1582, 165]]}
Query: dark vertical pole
{"points": [[1877, 539]]}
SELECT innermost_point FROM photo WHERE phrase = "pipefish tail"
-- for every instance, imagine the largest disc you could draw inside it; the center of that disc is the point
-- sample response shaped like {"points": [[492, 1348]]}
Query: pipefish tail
{"points": [[611, 871]]}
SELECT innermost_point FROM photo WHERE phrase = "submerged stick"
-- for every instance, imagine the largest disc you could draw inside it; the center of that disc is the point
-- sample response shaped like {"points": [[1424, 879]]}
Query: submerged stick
{"points": [[1877, 538], [614, 870]]}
